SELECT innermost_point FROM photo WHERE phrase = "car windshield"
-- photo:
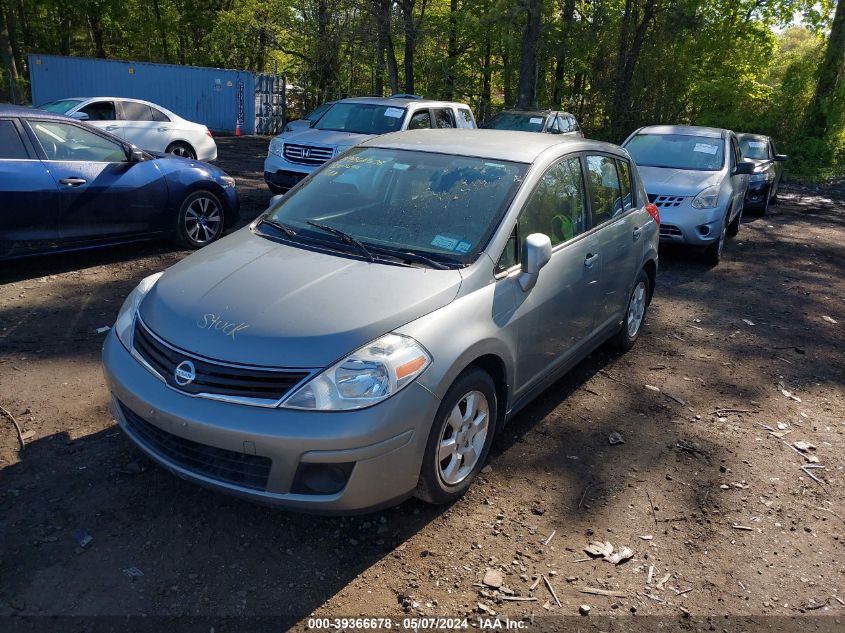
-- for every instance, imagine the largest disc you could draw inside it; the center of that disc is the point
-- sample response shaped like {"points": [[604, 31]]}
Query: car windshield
{"points": [[677, 151], [317, 112], [753, 148], [362, 118], [440, 206], [519, 121], [60, 107]]}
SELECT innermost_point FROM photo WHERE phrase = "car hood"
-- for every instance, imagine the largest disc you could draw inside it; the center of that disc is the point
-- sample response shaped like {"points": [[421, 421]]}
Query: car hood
{"points": [[677, 182], [246, 299], [332, 138]]}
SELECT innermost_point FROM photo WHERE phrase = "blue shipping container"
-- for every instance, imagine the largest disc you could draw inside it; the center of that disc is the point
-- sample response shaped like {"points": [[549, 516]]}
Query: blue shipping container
{"points": [[215, 97]]}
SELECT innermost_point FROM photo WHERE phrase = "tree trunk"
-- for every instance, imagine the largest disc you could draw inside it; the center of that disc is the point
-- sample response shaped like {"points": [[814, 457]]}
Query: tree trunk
{"points": [[527, 87], [64, 38], [452, 50], [410, 43], [97, 37], [8, 58], [162, 33], [830, 75], [382, 10], [566, 17], [627, 63], [486, 81]]}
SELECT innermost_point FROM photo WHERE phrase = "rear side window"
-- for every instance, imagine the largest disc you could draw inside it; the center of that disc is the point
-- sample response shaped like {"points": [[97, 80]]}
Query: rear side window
{"points": [[443, 118], [11, 145], [625, 181], [573, 124], [466, 115], [133, 111], [158, 115], [100, 111], [564, 124], [605, 191]]}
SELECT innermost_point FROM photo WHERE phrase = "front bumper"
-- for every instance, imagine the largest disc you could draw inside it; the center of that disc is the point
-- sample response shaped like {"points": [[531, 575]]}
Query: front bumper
{"points": [[281, 174], [687, 225], [383, 445]]}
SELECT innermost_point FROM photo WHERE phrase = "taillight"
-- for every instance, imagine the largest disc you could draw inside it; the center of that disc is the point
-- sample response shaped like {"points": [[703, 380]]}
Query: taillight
{"points": [[653, 212], [208, 133]]}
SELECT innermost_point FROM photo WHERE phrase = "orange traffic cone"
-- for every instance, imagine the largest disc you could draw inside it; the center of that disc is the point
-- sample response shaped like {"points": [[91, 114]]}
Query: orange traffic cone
{"points": [[238, 128]]}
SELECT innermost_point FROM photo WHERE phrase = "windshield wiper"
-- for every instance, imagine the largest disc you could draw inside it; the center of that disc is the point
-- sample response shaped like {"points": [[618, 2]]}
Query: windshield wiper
{"points": [[282, 227], [345, 237], [412, 256]]}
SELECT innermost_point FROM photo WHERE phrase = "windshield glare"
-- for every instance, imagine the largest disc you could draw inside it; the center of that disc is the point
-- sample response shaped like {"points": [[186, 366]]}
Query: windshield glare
{"points": [[444, 207], [521, 122], [362, 118], [60, 107], [754, 148], [677, 151]]}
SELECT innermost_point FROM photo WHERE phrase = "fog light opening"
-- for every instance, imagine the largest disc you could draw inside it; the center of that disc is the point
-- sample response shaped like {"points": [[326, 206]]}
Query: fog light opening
{"points": [[703, 230], [321, 479]]}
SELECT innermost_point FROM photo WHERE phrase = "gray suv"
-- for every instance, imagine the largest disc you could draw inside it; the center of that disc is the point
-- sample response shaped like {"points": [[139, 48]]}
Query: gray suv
{"points": [[364, 338], [346, 123], [697, 178]]}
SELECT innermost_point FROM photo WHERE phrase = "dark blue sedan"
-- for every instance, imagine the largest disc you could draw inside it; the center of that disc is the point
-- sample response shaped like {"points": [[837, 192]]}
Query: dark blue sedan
{"points": [[67, 186]]}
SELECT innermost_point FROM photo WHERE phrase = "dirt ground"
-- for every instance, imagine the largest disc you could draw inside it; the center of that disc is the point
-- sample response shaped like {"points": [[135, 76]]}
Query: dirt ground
{"points": [[735, 365]]}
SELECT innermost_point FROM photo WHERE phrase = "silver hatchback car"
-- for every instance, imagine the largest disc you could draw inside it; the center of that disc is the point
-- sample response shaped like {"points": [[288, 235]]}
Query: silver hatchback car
{"points": [[697, 178], [363, 339]]}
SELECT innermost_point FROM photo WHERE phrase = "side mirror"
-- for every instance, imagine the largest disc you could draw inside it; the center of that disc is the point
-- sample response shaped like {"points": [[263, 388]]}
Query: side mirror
{"points": [[536, 253], [781, 158], [135, 155], [79, 116], [743, 169]]}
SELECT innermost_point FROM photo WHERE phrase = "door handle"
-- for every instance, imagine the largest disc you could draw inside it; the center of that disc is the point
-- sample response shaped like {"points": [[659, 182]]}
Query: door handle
{"points": [[111, 127], [590, 260], [637, 232], [73, 181], [164, 129]]}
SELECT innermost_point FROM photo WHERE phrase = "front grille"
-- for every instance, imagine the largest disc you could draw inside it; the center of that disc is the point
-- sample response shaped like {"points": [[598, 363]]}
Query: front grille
{"points": [[665, 201], [213, 378], [248, 471], [307, 154], [670, 230]]}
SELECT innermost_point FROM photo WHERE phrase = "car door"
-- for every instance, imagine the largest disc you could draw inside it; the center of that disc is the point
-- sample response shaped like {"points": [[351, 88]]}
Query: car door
{"points": [[420, 120], [556, 316], [29, 218], [103, 116], [739, 182], [141, 127], [617, 230], [103, 194]]}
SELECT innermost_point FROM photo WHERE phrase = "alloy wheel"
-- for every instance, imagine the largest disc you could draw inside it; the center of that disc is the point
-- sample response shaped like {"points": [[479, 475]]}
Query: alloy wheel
{"points": [[203, 220], [636, 309], [463, 437]]}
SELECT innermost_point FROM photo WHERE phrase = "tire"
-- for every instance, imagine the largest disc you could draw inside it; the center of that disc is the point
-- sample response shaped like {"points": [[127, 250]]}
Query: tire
{"points": [[201, 219], [774, 198], [635, 312], [444, 480], [733, 227], [181, 149], [713, 253]]}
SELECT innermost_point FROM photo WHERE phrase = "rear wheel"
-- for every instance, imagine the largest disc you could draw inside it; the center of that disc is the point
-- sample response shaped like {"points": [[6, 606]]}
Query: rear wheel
{"points": [[460, 438], [200, 219], [181, 149], [634, 313]]}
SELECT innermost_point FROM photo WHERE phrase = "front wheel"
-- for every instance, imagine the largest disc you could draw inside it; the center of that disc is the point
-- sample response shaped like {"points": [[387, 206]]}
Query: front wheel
{"points": [[460, 438], [713, 254], [733, 227], [634, 313], [200, 219]]}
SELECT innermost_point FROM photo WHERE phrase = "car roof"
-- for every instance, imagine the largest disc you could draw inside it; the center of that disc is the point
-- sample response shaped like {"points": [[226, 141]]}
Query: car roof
{"points": [[537, 112], [507, 145], [397, 101], [688, 130], [26, 112]]}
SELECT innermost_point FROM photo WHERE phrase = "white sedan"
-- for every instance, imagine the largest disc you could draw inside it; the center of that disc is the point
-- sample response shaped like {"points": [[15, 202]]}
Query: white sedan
{"points": [[144, 124]]}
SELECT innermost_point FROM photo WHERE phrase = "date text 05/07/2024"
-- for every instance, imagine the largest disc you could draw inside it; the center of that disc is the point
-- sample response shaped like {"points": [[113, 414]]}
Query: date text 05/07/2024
{"points": [[415, 624]]}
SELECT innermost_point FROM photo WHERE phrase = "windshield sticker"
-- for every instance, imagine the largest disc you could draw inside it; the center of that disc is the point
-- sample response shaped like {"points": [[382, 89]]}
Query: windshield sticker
{"points": [[758, 144], [706, 148], [441, 241], [463, 247], [537, 119], [401, 166], [394, 113]]}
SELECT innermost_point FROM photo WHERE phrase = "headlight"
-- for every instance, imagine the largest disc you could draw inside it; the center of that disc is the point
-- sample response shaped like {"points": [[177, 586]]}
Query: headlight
{"points": [[372, 374], [228, 181], [277, 146], [707, 199], [126, 316], [762, 177]]}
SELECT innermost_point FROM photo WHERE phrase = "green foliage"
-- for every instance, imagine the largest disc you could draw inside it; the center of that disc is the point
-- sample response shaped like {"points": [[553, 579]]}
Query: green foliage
{"points": [[616, 64]]}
